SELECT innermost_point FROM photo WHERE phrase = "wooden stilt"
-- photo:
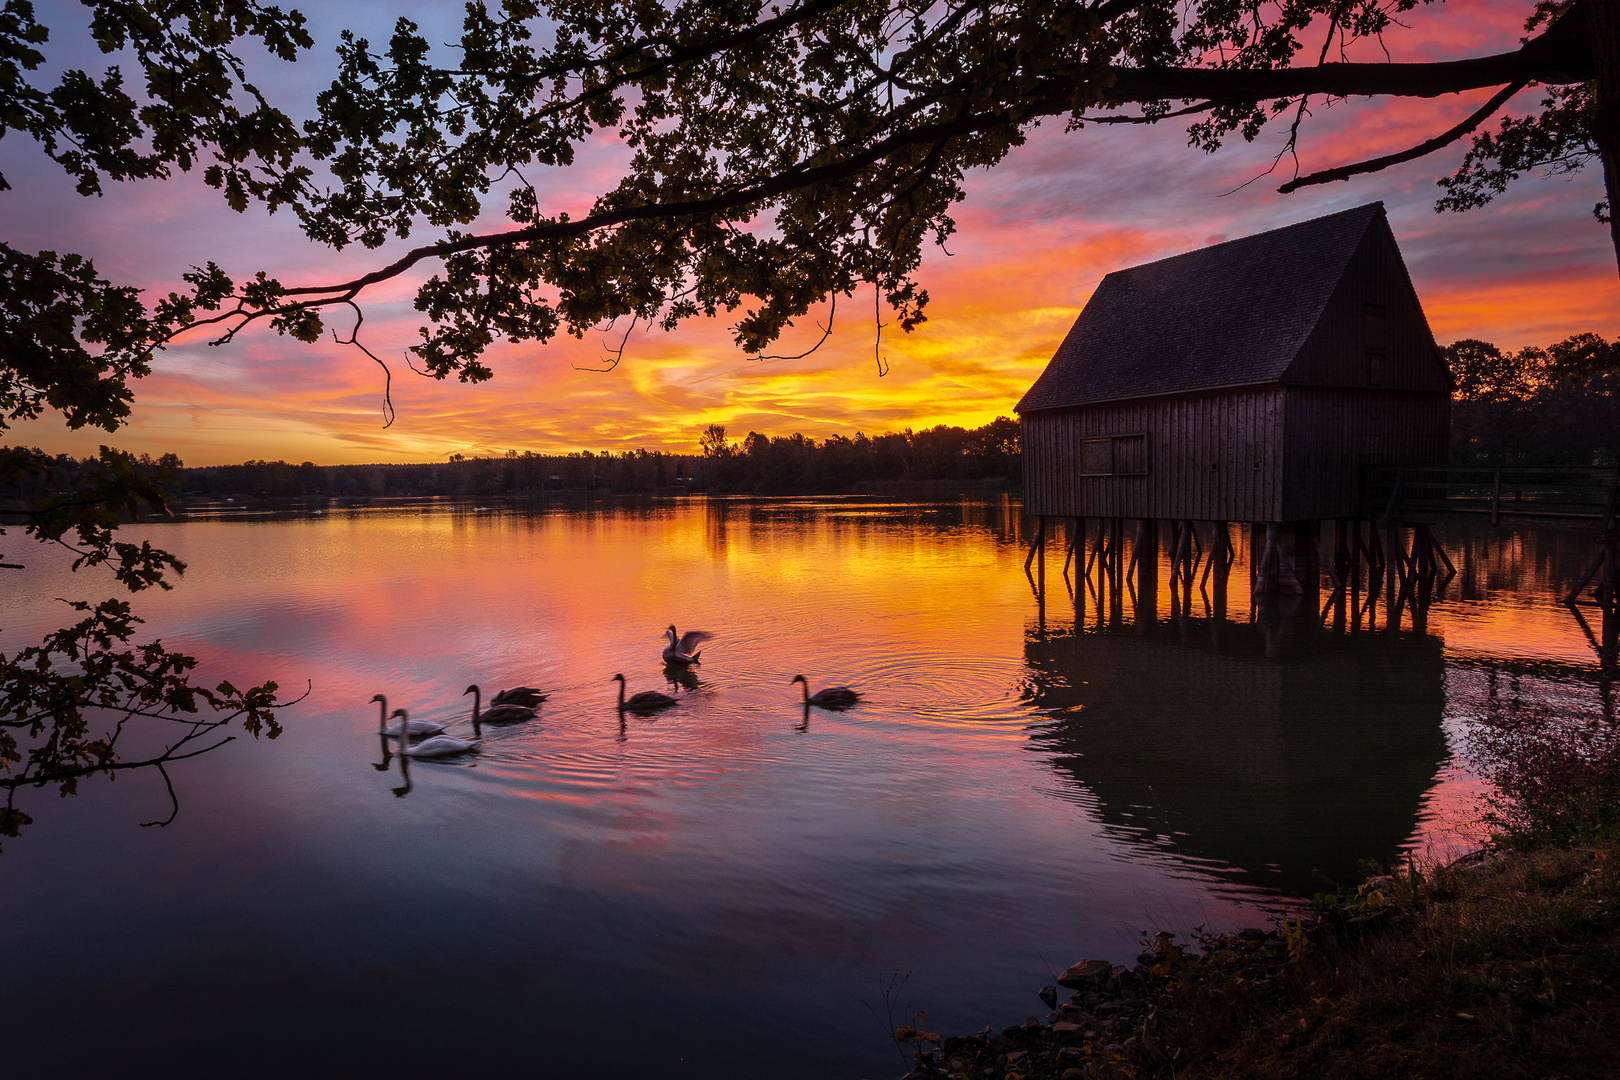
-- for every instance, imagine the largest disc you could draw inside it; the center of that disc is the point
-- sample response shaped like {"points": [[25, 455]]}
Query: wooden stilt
{"points": [[1116, 542], [1035, 545], [1266, 575], [1574, 595], [1335, 600], [1216, 553], [1221, 558], [1136, 555], [1147, 571], [1307, 560], [1256, 546], [1040, 560], [1394, 548], [1609, 591], [1341, 572], [1097, 548], [1078, 549]]}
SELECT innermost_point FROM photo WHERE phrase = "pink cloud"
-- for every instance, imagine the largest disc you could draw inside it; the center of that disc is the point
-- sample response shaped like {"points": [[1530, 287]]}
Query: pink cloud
{"points": [[1035, 236]]}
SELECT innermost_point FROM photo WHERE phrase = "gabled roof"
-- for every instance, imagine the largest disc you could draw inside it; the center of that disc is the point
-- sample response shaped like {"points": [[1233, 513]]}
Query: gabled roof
{"points": [[1232, 314]]}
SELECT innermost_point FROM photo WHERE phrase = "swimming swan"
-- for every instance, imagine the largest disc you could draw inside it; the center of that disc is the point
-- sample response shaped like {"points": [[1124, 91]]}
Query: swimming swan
{"points": [[528, 696], [497, 714], [834, 697], [680, 649], [439, 745], [646, 701], [417, 728]]}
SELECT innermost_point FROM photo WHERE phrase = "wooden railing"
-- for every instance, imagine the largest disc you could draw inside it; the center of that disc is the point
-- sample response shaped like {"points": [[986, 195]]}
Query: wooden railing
{"points": [[1569, 494]]}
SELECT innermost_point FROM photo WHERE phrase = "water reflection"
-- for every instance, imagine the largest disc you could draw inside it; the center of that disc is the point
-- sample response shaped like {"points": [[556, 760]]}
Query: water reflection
{"points": [[758, 866], [681, 677], [404, 788], [1265, 771]]}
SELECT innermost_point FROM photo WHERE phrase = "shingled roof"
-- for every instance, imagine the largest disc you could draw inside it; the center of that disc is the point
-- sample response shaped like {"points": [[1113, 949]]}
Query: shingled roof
{"points": [[1232, 314]]}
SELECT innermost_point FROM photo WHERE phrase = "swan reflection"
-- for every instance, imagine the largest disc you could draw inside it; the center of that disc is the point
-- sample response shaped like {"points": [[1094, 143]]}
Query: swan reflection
{"points": [[404, 788], [681, 677]]}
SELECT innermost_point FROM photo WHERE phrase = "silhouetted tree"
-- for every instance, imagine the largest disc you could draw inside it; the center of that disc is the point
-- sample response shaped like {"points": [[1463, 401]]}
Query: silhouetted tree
{"points": [[1557, 405]]}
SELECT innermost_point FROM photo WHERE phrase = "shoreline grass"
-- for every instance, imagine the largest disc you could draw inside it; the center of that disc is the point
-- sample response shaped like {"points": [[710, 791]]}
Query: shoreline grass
{"points": [[1504, 965]]}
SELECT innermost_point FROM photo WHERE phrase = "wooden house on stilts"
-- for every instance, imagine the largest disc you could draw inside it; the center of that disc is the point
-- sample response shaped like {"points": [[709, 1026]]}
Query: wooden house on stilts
{"points": [[1245, 383]]}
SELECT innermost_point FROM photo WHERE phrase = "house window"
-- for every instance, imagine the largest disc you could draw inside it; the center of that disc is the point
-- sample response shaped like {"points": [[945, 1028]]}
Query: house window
{"points": [[1375, 367], [1374, 326], [1114, 455], [1130, 455], [1097, 457]]}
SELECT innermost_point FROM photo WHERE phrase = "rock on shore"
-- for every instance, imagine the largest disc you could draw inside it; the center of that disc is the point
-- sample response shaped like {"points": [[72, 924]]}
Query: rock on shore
{"points": [[1115, 1021]]}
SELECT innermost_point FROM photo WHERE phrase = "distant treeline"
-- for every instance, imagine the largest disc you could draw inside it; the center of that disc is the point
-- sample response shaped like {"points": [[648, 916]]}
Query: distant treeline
{"points": [[1558, 405], [795, 464], [1554, 406], [937, 458], [516, 473]]}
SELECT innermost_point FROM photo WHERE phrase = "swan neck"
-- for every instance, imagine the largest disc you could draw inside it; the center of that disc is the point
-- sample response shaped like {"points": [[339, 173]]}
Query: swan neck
{"points": [[476, 697], [382, 713], [804, 688]]}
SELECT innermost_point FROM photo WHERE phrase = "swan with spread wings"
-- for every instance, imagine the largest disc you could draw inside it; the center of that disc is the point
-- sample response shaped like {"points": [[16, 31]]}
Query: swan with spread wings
{"points": [[683, 648]]}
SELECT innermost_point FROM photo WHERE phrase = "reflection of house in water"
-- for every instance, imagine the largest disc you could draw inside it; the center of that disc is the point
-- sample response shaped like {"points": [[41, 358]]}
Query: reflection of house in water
{"points": [[1267, 770]]}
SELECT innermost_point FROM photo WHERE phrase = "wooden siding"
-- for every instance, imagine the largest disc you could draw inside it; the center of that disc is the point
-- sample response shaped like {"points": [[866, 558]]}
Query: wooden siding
{"points": [[1373, 307], [1266, 454], [1211, 457], [1329, 434]]}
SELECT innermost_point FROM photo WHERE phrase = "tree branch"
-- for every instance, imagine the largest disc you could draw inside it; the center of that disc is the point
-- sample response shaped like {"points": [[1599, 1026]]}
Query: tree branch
{"points": [[1560, 55], [1345, 172]]}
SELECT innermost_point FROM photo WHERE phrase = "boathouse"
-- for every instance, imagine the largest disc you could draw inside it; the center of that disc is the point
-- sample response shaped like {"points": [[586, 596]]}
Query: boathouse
{"points": [[1249, 381]]}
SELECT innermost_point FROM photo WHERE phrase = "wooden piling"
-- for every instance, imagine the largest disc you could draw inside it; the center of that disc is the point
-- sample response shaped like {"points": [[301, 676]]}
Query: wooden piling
{"points": [[1147, 571], [1221, 558]]}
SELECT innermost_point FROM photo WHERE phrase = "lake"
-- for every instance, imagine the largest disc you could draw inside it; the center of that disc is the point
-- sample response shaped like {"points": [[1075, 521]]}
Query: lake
{"points": [[724, 889]]}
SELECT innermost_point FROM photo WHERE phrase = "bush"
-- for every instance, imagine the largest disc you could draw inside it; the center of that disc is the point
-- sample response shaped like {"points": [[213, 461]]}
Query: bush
{"points": [[1556, 774]]}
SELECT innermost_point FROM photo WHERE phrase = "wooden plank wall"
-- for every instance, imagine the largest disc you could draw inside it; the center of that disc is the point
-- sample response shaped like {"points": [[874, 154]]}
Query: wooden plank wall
{"points": [[1335, 353], [1266, 454], [1212, 457], [1331, 433]]}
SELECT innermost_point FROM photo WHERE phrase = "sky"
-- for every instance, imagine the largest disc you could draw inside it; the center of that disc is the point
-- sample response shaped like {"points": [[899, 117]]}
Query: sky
{"points": [[1035, 236]]}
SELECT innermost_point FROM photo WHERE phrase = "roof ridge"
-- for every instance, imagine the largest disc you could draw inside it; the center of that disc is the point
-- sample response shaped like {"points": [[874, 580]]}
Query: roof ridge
{"points": [[1377, 204], [1235, 313]]}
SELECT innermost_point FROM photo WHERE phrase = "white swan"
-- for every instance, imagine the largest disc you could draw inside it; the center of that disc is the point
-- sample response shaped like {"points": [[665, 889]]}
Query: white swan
{"points": [[416, 728], [680, 650], [439, 745]]}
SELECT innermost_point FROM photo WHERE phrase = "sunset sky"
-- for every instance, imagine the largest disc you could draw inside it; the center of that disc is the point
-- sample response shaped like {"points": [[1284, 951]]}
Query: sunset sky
{"points": [[1035, 236]]}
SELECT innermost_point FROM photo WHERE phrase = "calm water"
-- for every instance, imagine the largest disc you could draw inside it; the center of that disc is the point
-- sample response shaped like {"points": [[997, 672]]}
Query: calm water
{"points": [[718, 891]]}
